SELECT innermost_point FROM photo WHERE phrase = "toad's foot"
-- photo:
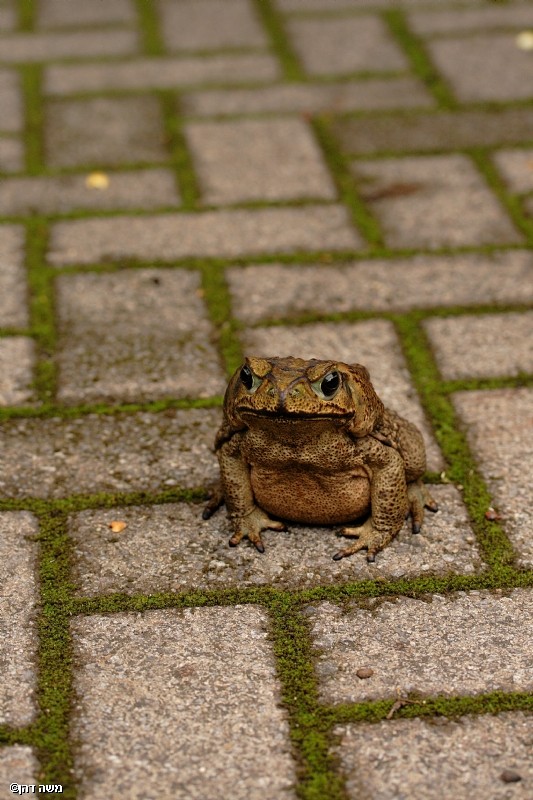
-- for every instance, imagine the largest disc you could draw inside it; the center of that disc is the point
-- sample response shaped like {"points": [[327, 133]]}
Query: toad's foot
{"points": [[419, 498], [251, 526], [367, 536]]}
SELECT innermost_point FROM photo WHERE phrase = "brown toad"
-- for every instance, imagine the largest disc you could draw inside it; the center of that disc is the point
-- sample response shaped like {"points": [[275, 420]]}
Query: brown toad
{"points": [[311, 442]]}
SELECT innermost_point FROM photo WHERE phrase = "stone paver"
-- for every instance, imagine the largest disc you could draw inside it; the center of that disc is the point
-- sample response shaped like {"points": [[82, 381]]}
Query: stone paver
{"points": [[78, 13], [370, 94], [160, 73], [16, 370], [11, 156], [458, 645], [511, 15], [431, 759], [135, 334], [345, 45], [18, 645], [372, 343], [99, 453], [13, 307], [432, 201], [104, 131], [168, 548], [148, 189], [506, 75], [208, 24], [255, 160], [381, 285], [482, 346], [499, 430], [444, 130], [212, 233], [17, 765], [207, 673], [12, 118], [516, 167], [18, 48]]}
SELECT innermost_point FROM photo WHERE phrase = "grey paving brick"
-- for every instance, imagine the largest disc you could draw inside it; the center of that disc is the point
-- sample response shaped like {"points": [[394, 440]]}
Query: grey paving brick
{"points": [[77, 13], [13, 307], [499, 424], [209, 24], [104, 131], [8, 18], [464, 644], [435, 758], [485, 66], [17, 765], [295, 6], [169, 548], [310, 98], [216, 668], [258, 160], [373, 343], [11, 155], [98, 453], [11, 119], [18, 554], [344, 45], [143, 188], [160, 73], [135, 334], [448, 20], [480, 346], [516, 167], [212, 233], [381, 285], [433, 201], [35, 47], [445, 130], [16, 370]]}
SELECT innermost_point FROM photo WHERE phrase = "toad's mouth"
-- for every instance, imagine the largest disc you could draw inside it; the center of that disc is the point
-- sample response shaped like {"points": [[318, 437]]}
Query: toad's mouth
{"points": [[293, 416]]}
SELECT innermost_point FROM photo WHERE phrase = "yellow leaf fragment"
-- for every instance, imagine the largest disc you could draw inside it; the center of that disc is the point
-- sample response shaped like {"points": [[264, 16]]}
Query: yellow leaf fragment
{"points": [[117, 526], [97, 180], [524, 40]]}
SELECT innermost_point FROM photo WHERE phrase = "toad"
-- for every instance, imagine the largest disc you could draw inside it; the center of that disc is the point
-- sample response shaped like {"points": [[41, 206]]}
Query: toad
{"points": [[311, 442]]}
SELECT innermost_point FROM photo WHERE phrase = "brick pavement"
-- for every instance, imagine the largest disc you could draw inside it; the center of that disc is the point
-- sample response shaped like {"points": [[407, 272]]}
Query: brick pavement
{"points": [[182, 181]]}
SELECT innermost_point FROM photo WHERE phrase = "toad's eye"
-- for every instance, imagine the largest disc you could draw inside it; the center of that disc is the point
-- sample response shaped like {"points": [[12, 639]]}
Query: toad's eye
{"points": [[249, 379], [327, 386]]}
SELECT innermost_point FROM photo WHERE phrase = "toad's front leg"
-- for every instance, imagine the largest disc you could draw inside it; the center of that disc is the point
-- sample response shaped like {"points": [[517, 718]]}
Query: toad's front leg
{"points": [[388, 502], [246, 517]]}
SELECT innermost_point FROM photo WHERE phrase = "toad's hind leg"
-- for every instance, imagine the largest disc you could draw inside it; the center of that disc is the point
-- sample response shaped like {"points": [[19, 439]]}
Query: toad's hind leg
{"points": [[419, 498]]}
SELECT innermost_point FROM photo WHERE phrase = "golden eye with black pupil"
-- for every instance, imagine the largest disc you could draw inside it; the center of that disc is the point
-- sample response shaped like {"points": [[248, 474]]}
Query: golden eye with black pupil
{"points": [[329, 384], [247, 377]]}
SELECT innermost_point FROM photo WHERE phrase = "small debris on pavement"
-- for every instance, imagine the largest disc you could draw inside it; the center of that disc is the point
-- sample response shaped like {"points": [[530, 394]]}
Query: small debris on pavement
{"points": [[117, 526], [364, 672]]}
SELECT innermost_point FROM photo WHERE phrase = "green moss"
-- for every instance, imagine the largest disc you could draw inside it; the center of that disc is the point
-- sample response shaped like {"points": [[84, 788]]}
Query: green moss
{"points": [[181, 159], [31, 79], [338, 165], [510, 202], [420, 61], [218, 301], [494, 545], [273, 24], [27, 12], [149, 27]]}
